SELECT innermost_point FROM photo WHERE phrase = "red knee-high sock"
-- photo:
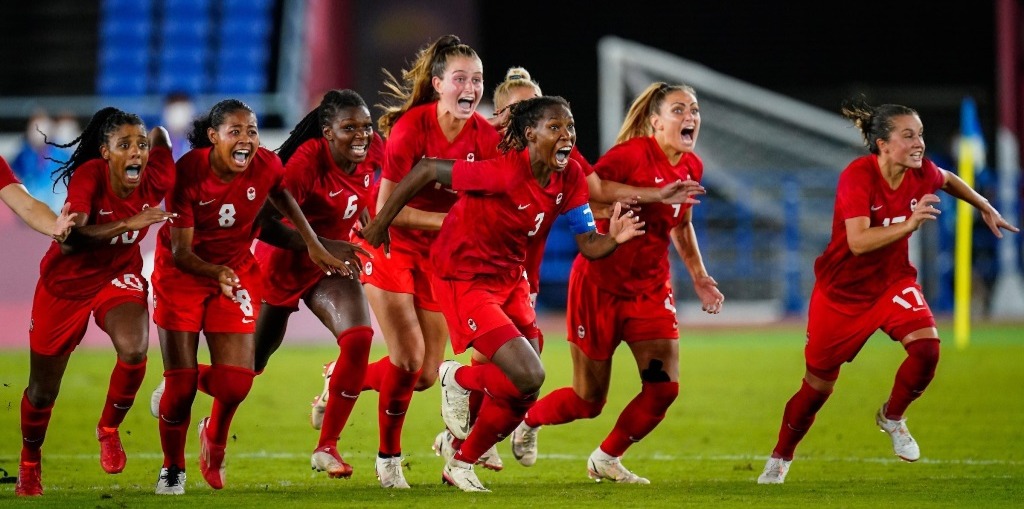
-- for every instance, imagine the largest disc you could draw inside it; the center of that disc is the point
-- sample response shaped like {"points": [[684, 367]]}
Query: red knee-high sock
{"points": [[204, 379], [125, 381], [913, 377], [396, 391], [176, 413], [229, 385], [487, 377], [346, 382], [798, 418], [373, 380], [562, 406], [34, 422], [498, 417], [476, 398], [640, 416]]}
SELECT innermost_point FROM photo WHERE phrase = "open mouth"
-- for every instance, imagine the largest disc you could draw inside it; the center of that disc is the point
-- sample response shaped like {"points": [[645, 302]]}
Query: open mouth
{"points": [[240, 156], [465, 103], [562, 156], [133, 172], [359, 150], [687, 134]]}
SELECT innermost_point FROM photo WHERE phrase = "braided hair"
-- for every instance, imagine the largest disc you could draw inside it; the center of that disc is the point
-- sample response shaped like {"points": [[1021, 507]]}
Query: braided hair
{"points": [[312, 125], [100, 126], [416, 88], [875, 122], [525, 114], [197, 136]]}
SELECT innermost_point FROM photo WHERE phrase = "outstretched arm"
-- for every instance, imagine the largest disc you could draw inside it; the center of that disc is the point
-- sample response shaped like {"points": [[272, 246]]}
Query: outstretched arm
{"points": [[957, 188], [424, 172], [35, 213], [284, 202], [276, 233], [685, 240], [409, 217]]}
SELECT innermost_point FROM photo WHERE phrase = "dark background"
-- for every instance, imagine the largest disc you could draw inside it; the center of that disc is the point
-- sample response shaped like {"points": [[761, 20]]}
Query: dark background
{"points": [[926, 55]]}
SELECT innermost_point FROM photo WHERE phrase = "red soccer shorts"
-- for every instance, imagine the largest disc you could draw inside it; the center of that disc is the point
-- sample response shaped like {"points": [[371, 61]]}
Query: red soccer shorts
{"points": [[287, 275], [58, 324], [486, 312], [599, 320], [837, 331], [403, 272], [190, 303]]}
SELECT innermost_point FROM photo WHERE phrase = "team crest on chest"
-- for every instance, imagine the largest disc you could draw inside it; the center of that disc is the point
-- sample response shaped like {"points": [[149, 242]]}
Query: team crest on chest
{"points": [[251, 193], [366, 181], [558, 199], [470, 157]]}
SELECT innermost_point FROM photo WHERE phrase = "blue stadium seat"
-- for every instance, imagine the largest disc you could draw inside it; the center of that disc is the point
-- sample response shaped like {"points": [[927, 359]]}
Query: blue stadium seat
{"points": [[190, 82], [186, 30], [121, 84], [248, 27], [113, 56], [173, 8], [240, 82], [260, 6], [243, 56], [125, 31]]}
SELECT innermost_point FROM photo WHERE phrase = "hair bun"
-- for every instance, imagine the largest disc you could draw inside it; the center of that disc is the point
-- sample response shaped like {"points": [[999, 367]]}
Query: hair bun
{"points": [[517, 73]]}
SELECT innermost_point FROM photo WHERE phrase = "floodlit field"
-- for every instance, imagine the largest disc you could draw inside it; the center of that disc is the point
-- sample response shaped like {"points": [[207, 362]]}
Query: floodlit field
{"points": [[707, 452]]}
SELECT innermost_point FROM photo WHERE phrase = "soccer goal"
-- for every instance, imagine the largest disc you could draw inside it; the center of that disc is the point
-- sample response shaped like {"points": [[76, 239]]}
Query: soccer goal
{"points": [[771, 166]]}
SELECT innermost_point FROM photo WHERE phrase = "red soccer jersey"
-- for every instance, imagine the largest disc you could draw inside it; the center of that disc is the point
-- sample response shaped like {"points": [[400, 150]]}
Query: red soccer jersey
{"points": [[863, 192], [84, 274], [7, 175], [221, 213], [641, 265], [500, 207], [537, 243], [330, 199], [416, 135]]}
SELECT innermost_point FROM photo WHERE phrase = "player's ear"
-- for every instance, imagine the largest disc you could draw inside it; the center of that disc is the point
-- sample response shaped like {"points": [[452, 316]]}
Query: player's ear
{"points": [[530, 134], [211, 133], [104, 152]]}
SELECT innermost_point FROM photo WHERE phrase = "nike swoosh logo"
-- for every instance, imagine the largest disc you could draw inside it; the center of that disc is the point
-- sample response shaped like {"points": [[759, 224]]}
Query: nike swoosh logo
{"points": [[394, 414], [106, 212], [658, 180], [524, 207], [247, 320], [876, 207], [334, 193], [122, 407], [349, 396], [201, 203]]}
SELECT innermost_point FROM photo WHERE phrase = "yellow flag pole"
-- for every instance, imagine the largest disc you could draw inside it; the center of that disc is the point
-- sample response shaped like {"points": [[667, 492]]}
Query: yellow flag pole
{"points": [[962, 257]]}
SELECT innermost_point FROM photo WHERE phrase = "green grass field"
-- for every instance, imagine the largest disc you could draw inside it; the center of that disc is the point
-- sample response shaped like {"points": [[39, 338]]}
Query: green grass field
{"points": [[707, 452]]}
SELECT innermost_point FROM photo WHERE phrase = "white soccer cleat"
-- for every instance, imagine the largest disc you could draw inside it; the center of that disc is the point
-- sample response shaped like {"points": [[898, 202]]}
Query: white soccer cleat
{"points": [[491, 460], [454, 400], [443, 445], [524, 444], [316, 416], [775, 471], [389, 473], [154, 399], [601, 466], [461, 475], [903, 444], [171, 481]]}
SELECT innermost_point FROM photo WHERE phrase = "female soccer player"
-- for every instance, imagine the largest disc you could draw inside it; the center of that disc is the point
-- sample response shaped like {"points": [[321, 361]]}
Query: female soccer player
{"points": [[328, 172], [478, 259], [32, 211], [436, 118], [628, 295], [115, 184], [864, 280], [206, 279], [518, 86]]}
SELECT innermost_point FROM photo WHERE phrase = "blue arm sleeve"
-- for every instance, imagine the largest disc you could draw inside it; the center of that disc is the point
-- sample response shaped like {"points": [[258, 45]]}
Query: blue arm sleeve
{"points": [[581, 219]]}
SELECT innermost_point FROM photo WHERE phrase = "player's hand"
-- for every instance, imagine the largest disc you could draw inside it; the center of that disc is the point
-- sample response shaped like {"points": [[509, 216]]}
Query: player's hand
{"points": [[228, 281], [150, 216], [924, 211], [348, 253], [376, 235], [62, 226], [624, 225], [681, 191], [995, 221], [711, 300]]}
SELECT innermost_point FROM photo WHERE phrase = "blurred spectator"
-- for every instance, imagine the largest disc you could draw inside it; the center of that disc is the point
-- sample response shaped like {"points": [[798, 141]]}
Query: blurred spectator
{"points": [[179, 110], [36, 160]]}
